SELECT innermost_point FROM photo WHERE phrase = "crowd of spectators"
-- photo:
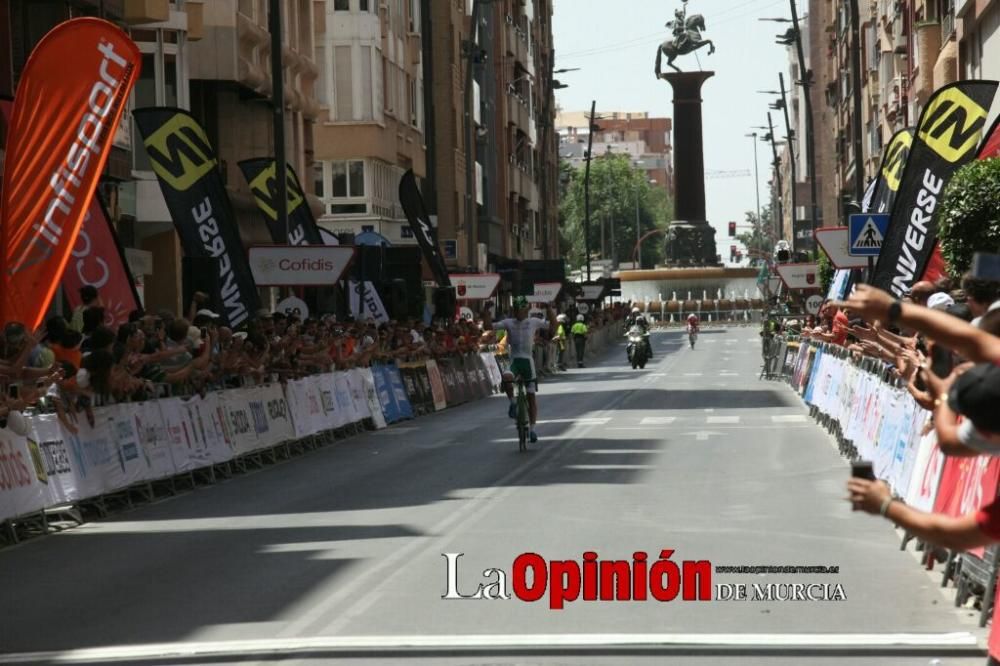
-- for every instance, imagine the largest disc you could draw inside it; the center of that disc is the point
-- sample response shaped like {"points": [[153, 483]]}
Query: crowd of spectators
{"points": [[942, 342], [74, 363]]}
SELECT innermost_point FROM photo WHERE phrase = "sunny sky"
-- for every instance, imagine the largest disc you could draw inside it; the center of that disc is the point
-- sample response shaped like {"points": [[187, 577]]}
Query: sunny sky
{"points": [[614, 44]]}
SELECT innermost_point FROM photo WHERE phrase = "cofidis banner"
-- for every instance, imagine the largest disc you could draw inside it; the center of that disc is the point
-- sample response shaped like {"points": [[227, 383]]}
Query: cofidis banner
{"points": [[187, 169], [946, 138], [66, 109], [261, 175]]}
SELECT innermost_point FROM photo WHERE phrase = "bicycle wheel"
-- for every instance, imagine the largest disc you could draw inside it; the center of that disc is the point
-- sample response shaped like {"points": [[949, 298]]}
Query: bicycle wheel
{"points": [[522, 422]]}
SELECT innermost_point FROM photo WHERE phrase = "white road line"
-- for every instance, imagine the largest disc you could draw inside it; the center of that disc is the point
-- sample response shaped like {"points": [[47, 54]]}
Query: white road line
{"points": [[709, 410], [792, 418], [722, 419], [612, 452], [589, 468], [583, 421], [692, 374], [658, 420], [959, 641], [729, 374]]}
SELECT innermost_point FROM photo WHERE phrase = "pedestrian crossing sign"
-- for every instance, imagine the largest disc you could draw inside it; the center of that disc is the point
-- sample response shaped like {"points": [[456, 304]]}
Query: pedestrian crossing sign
{"points": [[867, 232]]}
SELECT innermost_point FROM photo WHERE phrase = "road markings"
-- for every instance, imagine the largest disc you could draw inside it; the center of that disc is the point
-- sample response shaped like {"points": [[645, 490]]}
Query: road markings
{"points": [[729, 374], [590, 468], [722, 419], [658, 420], [583, 421], [793, 418], [953, 644], [613, 452], [703, 435], [692, 374]]}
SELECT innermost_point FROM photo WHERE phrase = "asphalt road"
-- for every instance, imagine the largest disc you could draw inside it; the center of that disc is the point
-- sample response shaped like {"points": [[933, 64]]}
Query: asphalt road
{"points": [[343, 547]]}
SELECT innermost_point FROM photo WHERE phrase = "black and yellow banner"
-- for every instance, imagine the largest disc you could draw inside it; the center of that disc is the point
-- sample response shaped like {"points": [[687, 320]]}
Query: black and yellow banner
{"points": [[261, 175], [187, 168], [946, 138], [420, 222], [890, 173]]}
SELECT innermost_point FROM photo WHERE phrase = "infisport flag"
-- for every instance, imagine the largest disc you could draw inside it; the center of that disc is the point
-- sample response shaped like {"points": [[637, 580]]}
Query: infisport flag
{"points": [[187, 168], [420, 223], [98, 258], [890, 173], [947, 136], [68, 103], [261, 175]]}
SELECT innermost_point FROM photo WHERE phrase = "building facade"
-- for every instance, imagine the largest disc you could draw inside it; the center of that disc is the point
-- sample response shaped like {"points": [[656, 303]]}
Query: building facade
{"points": [[909, 49], [370, 126], [646, 140]]}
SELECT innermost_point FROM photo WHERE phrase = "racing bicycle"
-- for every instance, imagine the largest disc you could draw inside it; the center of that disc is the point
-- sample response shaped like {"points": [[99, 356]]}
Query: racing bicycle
{"points": [[692, 335], [523, 425]]}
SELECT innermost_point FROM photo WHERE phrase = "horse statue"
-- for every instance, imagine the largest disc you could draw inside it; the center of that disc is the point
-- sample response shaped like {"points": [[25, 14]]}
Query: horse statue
{"points": [[686, 39]]}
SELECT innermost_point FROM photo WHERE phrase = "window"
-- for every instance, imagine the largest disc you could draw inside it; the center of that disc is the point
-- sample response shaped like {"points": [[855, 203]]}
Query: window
{"points": [[246, 8], [406, 232], [356, 169], [319, 183], [364, 5], [366, 84], [320, 90], [341, 5], [414, 117], [414, 16], [343, 84], [339, 171], [367, 228]]}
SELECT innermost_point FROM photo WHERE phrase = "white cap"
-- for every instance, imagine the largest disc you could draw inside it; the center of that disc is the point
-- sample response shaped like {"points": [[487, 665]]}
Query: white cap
{"points": [[579, 317], [206, 313], [241, 335], [940, 299]]}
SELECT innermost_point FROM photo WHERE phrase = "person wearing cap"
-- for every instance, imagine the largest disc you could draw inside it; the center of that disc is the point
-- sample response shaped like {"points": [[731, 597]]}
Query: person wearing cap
{"points": [[521, 330]]}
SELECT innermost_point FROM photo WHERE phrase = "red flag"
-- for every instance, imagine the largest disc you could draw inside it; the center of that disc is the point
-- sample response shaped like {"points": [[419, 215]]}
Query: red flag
{"points": [[97, 260], [67, 107]]}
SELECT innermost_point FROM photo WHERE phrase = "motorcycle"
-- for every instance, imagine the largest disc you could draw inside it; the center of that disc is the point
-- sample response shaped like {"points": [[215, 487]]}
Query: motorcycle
{"points": [[638, 347]]}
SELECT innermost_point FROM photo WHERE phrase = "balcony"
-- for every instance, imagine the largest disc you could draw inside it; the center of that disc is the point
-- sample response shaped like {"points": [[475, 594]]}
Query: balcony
{"points": [[517, 43], [517, 110], [146, 11]]}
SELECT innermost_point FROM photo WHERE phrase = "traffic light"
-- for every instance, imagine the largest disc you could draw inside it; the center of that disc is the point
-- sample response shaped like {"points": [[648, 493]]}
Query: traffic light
{"points": [[732, 253], [732, 229]]}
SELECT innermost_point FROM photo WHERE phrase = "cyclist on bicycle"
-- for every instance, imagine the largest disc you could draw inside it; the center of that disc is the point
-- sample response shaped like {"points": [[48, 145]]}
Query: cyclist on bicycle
{"points": [[521, 331], [692, 323]]}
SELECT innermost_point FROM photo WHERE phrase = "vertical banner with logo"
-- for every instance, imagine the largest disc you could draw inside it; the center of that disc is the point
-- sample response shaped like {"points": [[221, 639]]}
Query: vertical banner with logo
{"points": [[890, 173], [99, 261], [187, 169], [261, 175], [373, 309], [69, 101], [420, 223], [947, 136]]}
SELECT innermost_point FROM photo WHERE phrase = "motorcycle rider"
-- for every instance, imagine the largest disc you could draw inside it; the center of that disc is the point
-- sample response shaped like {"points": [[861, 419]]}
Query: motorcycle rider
{"points": [[636, 318]]}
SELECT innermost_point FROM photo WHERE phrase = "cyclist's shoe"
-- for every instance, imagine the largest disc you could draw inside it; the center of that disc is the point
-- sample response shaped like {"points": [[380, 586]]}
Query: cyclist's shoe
{"points": [[512, 410], [532, 437]]}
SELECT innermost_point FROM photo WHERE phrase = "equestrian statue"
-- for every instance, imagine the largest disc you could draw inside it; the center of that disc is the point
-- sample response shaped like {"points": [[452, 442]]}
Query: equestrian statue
{"points": [[686, 38]]}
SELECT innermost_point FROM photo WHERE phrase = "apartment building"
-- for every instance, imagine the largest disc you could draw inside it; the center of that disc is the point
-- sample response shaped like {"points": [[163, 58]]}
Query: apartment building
{"points": [[978, 34], [909, 49], [645, 139], [370, 125]]}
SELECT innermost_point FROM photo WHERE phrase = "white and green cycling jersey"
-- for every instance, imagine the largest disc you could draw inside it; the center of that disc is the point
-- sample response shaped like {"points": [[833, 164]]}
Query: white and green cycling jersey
{"points": [[521, 334]]}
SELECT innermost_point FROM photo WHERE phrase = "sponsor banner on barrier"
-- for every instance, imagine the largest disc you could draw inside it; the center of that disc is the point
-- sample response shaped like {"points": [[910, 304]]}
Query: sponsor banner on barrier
{"points": [[356, 386], [492, 367], [23, 487], [371, 394], [385, 393], [399, 393], [437, 386], [52, 457]]}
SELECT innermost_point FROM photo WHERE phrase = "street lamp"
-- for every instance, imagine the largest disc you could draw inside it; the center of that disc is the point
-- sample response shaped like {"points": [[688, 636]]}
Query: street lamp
{"points": [[794, 36], [754, 135]]}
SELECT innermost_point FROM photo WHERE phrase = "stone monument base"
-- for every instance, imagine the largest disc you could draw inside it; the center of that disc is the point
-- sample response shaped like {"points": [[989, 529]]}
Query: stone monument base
{"points": [[691, 243]]}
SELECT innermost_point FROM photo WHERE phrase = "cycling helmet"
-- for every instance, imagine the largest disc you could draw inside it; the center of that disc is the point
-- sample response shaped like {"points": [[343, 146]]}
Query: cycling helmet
{"points": [[562, 319], [579, 317], [635, 310], [520, 302], [692, 316]]}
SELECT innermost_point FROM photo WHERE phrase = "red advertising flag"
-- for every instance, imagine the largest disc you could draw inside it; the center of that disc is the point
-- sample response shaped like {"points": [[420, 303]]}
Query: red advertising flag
{"points": [[991, 145], [69, 101], [97, 260]]}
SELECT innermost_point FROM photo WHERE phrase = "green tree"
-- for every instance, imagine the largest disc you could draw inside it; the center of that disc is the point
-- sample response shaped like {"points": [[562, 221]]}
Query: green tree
{"points": [[759, 241], [969, 215], [615, 185]]}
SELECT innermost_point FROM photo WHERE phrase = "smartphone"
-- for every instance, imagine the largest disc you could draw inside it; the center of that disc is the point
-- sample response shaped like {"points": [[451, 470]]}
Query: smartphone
{"points": [[863, 469], [986, 266]]}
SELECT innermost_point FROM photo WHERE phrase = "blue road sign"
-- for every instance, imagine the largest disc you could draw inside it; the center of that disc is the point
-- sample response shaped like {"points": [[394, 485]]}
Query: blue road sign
{"points": [[867, 232]]}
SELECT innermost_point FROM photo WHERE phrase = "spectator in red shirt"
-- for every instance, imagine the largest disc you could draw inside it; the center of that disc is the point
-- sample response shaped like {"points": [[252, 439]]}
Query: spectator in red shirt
{"points": [[838, 322]]}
